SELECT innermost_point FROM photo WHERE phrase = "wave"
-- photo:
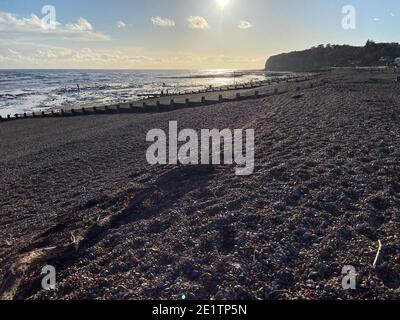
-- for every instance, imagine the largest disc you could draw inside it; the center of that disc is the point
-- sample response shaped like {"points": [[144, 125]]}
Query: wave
{"points": [[32, 90]]}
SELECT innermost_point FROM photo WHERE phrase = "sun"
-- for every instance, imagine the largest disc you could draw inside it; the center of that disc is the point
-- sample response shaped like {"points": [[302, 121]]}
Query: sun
{"points": [[222, 3]]}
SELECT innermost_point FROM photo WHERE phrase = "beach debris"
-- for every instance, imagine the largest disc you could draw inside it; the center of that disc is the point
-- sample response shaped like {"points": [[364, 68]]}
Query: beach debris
{"points": [[377, 254], [76, 240], [236, 265], [299, 96]]}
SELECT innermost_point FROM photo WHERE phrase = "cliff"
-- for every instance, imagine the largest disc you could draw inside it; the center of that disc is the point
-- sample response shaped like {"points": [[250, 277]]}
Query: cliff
{"points": [[322, 57]]}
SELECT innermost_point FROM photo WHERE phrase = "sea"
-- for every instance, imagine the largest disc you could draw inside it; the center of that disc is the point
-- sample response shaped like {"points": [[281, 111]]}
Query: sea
{"points": [[39, 90]]}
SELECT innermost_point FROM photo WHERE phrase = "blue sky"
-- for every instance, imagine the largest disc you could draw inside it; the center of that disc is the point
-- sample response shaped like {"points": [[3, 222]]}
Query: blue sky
{"points": [[182, 33]]}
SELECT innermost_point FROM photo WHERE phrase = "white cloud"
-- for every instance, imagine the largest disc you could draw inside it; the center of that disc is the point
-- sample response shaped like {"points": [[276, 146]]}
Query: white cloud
{"points": [[197, 22], [162, 22], [377, 19], [82, 25], [243, 24], [10, 21], [121, 24], [392, 14], [13, 52], [32, 26]]}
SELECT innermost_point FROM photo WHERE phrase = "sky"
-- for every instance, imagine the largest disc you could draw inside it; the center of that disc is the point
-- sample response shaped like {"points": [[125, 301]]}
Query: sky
{"points": [[180, 34]]}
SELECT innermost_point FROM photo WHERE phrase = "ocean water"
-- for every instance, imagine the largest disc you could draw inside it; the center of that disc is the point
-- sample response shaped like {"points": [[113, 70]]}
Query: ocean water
{"points": [[35, 90]]}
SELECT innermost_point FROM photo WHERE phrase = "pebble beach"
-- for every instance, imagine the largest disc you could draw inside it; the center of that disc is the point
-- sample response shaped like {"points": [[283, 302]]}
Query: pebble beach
{"points": [[78, 194]]}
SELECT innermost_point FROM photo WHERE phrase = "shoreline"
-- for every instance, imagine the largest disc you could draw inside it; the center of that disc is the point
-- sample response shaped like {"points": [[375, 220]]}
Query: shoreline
{"points": [[150, 101], [77, 193]]}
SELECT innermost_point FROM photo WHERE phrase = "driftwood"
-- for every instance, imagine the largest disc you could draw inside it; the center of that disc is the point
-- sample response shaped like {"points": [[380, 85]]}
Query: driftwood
{"points": [[377, 254]]}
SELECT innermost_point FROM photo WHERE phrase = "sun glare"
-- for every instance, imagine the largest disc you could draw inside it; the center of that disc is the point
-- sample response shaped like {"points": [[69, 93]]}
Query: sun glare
{"points": [[222, 3]]}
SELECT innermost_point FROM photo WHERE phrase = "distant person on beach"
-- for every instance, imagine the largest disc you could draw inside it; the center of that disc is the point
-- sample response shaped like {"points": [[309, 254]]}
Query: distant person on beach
{"points": [[79, 89]]}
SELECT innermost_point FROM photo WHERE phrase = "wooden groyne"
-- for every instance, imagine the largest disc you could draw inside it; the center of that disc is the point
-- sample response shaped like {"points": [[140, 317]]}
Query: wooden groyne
{"points": [[174, 101]]}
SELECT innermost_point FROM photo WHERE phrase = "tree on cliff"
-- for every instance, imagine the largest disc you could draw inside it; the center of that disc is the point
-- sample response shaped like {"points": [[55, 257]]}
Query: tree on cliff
{"points": [[322, 57]]}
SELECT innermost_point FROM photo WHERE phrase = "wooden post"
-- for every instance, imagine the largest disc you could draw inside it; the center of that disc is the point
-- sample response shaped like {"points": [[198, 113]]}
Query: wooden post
{"points": [[220, 98], [172, 102], [158, 104], [62, 112], [187, 102], [203, 99]]}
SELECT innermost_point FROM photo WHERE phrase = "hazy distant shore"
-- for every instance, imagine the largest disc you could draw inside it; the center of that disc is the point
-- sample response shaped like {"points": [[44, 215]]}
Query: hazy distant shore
{"points": [[325, 190]]}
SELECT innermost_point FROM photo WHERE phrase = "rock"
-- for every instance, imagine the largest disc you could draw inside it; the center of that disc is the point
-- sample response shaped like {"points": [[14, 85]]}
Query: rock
{"points": [[310, 283], [194, 274]]}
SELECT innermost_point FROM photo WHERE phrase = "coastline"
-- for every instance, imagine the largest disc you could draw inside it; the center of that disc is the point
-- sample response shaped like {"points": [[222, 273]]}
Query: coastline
{"points": [[324, 192], [165, 100], [27, 91]]}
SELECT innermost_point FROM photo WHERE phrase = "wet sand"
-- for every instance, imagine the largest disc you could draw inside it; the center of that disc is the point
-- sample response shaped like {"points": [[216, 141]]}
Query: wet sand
{"points": [[77, 193]]}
